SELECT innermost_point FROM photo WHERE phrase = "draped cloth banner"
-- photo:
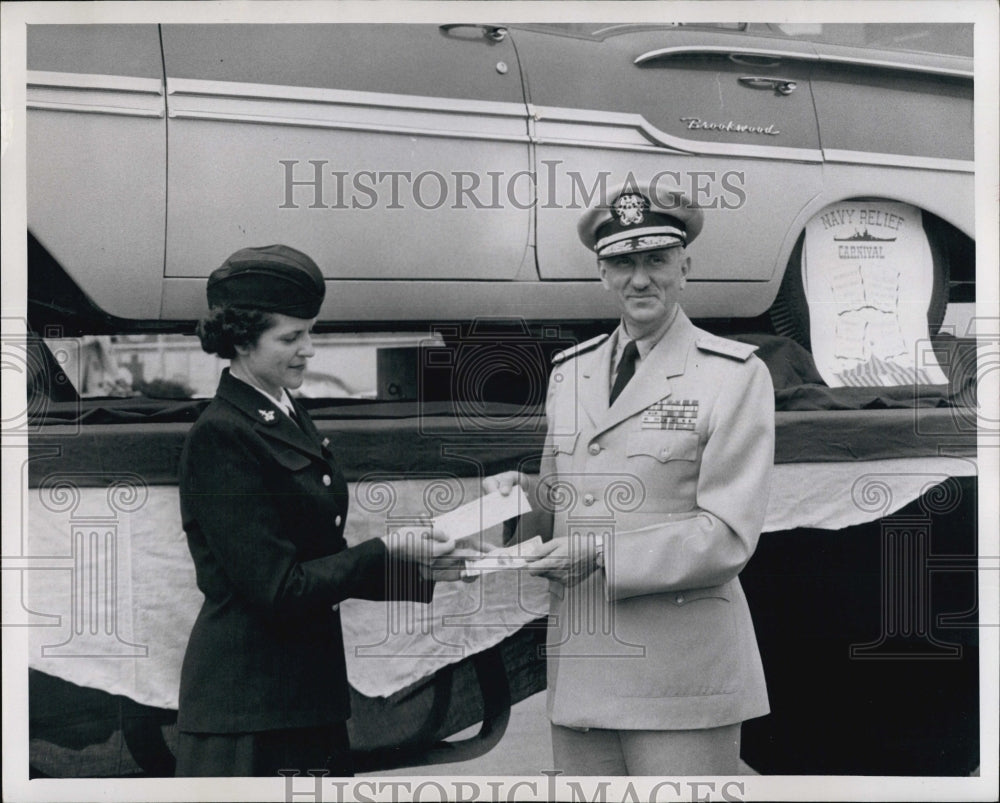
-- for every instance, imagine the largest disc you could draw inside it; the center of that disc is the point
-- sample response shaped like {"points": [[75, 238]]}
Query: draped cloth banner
{"points": [[117, 589], [116, 595], [868, 275]]}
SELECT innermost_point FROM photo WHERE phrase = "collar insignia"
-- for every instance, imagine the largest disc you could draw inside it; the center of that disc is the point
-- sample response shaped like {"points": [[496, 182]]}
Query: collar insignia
{"points": [[267, 415]]}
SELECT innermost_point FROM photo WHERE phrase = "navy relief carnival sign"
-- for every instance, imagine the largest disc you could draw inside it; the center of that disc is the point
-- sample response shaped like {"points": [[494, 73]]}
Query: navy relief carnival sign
{"points": [[868, 276]]}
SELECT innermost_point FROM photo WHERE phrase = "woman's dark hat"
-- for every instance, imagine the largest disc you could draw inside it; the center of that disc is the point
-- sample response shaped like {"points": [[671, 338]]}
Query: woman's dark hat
{"points": [[273, 278], [639, 218]]}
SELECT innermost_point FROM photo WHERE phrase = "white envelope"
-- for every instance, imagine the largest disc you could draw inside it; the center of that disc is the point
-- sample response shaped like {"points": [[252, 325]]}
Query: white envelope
{"points": [[483, 513]]}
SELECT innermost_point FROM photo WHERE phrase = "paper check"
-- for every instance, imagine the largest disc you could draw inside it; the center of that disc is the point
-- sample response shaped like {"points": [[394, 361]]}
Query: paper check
{"points": [[483, 513], [510, 557]]}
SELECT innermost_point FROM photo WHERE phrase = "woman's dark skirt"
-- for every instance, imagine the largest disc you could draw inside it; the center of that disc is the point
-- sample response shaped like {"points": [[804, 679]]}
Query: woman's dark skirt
{"points": [[264, 753]]}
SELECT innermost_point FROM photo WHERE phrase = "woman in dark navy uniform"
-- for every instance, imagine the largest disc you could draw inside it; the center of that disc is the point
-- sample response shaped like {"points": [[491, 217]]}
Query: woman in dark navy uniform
{"points": [[263, 504]]}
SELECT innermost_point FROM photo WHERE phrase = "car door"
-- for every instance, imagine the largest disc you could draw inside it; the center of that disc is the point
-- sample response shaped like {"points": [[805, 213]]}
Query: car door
{"points": [[726, 114], [380, 150]]}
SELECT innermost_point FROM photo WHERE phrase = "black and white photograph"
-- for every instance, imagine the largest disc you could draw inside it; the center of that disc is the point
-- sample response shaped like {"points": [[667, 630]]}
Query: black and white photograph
{"points": [[522, 401]]}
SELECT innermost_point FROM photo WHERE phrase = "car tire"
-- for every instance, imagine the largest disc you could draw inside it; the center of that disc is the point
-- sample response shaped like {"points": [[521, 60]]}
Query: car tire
{"points": [[790, 311]]}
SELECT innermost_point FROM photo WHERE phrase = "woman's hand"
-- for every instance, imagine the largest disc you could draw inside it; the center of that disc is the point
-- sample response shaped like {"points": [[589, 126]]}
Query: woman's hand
{"points": [[434, 550], [421, 543], [505, 482]]}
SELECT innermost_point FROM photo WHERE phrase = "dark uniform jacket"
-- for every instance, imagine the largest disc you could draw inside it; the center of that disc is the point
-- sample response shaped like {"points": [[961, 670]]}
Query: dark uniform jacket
{"points": [[264, 505]]}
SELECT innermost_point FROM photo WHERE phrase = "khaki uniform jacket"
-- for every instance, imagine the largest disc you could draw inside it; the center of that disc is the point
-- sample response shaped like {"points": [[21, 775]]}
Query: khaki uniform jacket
{"points": [[264, 506], [676, 476]]}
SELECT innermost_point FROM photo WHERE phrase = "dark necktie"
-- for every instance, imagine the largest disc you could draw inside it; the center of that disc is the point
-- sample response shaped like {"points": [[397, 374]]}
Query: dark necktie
{"points": [[626, 369]]}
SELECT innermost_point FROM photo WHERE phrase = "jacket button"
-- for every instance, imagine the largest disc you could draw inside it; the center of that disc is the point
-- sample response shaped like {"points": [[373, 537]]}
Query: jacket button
{"points": [[679, 599], [337, 520], [595, 448], [327, 480], [555, 449], [588, 499], [665, 452]]}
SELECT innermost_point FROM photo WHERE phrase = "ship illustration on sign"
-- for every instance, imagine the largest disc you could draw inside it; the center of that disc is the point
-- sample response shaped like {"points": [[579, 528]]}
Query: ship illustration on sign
{"points": [[864, 237]]}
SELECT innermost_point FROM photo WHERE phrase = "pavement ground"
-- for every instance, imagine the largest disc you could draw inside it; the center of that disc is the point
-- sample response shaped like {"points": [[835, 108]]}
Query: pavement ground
{"points": [[524, 750]]}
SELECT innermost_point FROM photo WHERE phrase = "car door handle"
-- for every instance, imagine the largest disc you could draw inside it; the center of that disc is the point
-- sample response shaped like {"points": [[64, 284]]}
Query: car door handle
{"points": [[497, 33], [781, 86]]}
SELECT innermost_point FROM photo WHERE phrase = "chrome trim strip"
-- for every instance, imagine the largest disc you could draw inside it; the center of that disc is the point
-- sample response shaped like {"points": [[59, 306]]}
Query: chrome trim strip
{"points": [[681, 50], [114, 83], [121, 95], [952, 72], [408, 115], [62, 106], [628, 27], [623, 131], [234, 89], [725, 50], [333, 125], [899, 160], [605, 145]]}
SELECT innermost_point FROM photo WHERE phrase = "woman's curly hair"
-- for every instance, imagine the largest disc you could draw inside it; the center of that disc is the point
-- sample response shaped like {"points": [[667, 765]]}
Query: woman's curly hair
{"points": [[225, 328]]}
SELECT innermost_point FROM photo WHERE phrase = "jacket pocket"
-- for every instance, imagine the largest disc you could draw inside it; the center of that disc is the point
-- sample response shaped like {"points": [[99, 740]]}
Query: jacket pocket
{"points": [[691, 644], [563, 444], [663, 444], [292, 460]]}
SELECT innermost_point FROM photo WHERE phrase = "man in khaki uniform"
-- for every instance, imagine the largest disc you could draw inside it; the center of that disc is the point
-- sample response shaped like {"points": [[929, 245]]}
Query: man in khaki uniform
{"points": [[652, 493]]}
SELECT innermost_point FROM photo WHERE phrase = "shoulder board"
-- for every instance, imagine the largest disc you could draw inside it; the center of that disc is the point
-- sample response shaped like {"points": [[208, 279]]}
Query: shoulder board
{"points": [[727, 348], [578, 349]]}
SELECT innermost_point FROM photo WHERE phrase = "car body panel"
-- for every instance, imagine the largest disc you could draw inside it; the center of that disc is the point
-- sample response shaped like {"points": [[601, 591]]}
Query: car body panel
{"points": [[346, 107], [96, 162], [891, 108], [637, 118], [437, 172], [132, 50], [699, 81], [399, 58]]}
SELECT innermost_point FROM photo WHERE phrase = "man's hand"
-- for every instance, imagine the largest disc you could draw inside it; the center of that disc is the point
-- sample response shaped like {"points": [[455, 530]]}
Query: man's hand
{"points": [[567, 560]]}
